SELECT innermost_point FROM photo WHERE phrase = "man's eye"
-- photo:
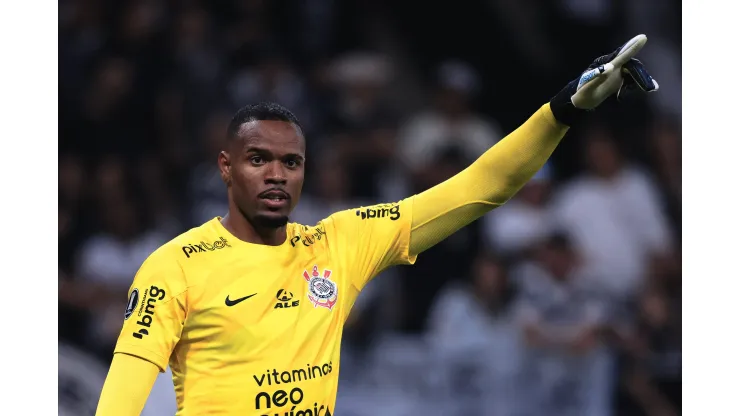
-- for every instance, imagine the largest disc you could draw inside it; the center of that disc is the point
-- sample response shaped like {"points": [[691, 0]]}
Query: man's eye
{"points": [[257, 160], [292, 163]]}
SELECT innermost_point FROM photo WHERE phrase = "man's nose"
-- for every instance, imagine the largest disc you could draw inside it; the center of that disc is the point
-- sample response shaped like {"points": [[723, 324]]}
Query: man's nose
{"points": [[275, 173]]}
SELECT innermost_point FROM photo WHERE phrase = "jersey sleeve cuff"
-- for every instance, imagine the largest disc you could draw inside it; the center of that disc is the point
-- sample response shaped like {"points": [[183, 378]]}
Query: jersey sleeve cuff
{"points": [[406, 257], [143, 353]]}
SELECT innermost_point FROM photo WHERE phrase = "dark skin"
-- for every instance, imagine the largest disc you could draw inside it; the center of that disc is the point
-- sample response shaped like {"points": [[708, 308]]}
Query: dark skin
{"points": [[263, 169]]}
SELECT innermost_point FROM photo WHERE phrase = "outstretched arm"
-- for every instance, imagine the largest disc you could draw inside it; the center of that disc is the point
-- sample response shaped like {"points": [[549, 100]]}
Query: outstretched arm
{"points": [[500, 172], [127, 387], [487, 183], [371, 239]]}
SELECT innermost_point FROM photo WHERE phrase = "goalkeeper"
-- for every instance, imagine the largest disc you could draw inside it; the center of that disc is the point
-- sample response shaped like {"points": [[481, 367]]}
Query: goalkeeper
{"points": [[248, 310]]}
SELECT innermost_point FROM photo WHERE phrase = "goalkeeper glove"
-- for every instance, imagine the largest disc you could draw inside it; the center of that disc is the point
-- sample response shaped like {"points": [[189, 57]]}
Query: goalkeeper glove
{"points": [[618, 72]]}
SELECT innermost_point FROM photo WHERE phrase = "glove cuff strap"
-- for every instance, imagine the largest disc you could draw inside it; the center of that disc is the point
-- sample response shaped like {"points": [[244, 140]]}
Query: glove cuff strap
{"points": [[563, 109]]}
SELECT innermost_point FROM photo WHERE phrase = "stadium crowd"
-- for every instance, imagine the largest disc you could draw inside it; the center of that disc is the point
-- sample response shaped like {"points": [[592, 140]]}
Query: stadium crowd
{"points": [[564, 301]]}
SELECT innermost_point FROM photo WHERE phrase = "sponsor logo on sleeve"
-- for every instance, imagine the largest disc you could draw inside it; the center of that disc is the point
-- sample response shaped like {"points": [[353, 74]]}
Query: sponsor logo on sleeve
{"points": [[392, 211], [147, 309], [204, 247]]}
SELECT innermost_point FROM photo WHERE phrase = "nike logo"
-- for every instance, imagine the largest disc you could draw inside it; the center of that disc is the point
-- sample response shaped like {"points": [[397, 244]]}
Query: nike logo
{"points": [[230, 302]]}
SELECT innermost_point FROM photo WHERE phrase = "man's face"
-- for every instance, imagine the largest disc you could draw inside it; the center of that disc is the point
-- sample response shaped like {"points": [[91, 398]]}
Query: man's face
{"points": [[264, 169]]}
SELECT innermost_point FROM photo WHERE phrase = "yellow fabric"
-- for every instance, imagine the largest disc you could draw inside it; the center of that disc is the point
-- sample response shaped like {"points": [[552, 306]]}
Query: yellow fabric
{"points": [[276, 351], [250, 329], [487, 183], [127, 387]]}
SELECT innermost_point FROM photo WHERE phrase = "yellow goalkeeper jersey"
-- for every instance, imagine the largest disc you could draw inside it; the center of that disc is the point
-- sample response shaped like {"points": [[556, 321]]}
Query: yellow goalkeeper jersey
{"points": [[251, 329]]}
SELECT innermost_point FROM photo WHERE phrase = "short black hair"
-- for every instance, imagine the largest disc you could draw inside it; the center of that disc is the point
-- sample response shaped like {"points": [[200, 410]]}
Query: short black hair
{"points": [[260, 111]]}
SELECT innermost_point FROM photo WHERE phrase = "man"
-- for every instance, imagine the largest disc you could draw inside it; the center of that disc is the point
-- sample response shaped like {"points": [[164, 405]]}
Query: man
{"points": [[248, 309], [564, 314]]}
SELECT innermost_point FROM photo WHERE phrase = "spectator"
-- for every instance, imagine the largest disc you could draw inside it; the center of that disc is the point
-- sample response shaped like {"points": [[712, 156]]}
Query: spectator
{"points": [[564, 316], [473, 325], [72, 230], [206, 190], [273, 78], [652, 367], [451, 122], [365, 123], [360, 80], [614, 216], [109, 258]]}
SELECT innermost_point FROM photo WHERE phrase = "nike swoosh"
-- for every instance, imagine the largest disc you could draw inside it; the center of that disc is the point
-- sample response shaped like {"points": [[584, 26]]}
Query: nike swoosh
{"points": [[230, 302]]}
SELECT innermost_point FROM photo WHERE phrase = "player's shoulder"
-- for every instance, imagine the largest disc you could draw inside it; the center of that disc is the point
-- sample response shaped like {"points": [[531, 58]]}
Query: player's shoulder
{"points": [[351, 223], [389, 211], [306, 235], [200, 239]]}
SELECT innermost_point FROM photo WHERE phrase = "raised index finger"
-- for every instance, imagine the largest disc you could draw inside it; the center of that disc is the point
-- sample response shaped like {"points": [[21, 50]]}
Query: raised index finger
{"points": [[629, 50]]}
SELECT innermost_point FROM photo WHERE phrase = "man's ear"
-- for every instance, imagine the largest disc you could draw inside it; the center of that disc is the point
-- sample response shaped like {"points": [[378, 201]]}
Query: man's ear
{"points": [[224, 166]]}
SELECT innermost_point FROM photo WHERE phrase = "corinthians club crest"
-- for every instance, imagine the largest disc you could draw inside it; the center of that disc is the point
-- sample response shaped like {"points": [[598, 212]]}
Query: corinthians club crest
{"points": [[321, 290]]}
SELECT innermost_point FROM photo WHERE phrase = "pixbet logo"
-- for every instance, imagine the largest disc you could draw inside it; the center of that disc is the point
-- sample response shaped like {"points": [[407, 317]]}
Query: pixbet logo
{"points": [[308, 238], [203, 247]]}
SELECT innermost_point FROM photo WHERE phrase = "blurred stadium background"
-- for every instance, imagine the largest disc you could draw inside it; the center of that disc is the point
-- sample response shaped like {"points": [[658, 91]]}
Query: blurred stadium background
{"points": [[564, 302]]}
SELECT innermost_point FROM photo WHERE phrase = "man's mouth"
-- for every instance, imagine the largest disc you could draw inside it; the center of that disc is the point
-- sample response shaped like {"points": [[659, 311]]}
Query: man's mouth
{"points": [[274, 195]]}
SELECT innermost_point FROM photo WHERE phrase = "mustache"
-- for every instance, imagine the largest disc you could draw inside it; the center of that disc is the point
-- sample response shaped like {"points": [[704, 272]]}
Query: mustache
{"points": [[280, 192]]}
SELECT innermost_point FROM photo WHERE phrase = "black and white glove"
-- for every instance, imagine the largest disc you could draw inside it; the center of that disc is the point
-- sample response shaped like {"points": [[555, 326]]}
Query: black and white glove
{"points": [[619, 72]]}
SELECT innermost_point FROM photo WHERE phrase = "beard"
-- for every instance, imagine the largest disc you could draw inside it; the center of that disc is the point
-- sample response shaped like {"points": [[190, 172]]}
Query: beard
{"points": [[266, 221], [269, 221]]}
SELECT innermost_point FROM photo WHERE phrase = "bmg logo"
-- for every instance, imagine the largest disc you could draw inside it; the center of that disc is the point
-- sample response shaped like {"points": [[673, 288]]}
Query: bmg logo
{"points": [[380, 211], [148, 303]]}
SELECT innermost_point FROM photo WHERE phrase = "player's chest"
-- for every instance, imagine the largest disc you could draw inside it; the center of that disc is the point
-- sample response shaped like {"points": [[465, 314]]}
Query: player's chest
{"points": [[260, 306]]}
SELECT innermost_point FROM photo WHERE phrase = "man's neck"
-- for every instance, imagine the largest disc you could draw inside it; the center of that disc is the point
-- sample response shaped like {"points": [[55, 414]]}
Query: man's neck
{"points": [[244, 230]]}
